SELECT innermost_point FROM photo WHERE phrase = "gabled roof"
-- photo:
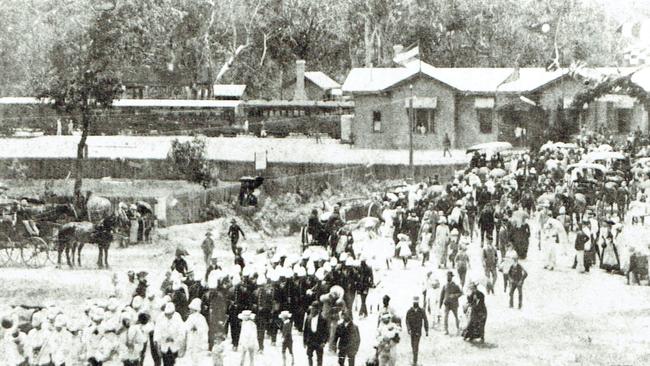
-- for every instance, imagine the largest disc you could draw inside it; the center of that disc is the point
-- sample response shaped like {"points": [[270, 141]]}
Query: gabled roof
{"points": [[229, 90], [370, 80], [321, 80], [471, 80]]}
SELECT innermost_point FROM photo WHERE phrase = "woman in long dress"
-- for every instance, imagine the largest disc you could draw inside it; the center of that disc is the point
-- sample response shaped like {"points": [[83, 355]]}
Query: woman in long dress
{"points": [[609, 252], [477, 314], [248, 336], [424, 247], [441, 242]]}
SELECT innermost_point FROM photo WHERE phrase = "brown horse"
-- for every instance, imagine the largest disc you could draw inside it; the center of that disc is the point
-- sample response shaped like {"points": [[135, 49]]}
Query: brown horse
{"points": [[72, 237]]}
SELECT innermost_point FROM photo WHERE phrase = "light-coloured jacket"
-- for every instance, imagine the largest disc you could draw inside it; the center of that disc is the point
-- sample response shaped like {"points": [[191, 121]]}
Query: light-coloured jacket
{"points": [[169, 334], [37, 348]]}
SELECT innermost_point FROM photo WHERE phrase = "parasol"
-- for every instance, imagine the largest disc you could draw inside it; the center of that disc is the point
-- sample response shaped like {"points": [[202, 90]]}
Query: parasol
{"points": [[498, 172], [496, 146], [144, 206], [484, 171], [605, 148]]}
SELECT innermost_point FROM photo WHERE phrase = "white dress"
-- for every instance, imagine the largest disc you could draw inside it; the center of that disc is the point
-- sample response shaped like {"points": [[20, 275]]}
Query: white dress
{"points": [[248, 336]]}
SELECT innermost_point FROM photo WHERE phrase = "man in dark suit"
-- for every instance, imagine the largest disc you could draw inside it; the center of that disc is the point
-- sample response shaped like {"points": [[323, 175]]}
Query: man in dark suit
{"points": [[347, 339], [416, 319], [315, 334]]}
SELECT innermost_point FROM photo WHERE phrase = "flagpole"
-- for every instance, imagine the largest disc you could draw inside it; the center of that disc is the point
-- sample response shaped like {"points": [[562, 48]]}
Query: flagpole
{"points": [[411, 116]]}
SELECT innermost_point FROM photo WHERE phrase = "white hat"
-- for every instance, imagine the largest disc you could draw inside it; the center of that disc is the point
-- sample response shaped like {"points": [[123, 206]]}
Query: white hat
{"points": [[333, 261], [349, 261], [136, 303], [300, 272], [195, 304], [326, 267], [261, 280], [246, 315], [284, 314], [320, 274], [169, 308], [343, 256], [60, 321]]}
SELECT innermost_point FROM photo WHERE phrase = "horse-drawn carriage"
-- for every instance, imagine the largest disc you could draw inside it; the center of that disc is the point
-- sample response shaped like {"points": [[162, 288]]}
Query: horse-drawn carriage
{"points": [[18, 242]]}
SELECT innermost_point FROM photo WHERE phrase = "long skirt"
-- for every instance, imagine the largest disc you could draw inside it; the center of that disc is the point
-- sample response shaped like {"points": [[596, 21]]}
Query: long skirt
{"points": [[476, 325]]}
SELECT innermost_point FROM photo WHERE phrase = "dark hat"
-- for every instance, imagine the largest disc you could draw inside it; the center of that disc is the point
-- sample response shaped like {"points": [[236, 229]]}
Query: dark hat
{"points": [[450, 274]]}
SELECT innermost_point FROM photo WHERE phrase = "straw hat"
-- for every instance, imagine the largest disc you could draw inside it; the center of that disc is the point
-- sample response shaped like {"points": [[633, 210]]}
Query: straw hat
{"points": [[284, 315]]}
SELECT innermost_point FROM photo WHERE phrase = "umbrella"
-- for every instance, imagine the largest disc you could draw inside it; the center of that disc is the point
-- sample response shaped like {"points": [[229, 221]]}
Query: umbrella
{"points": [[603, 155], [473, 179], [581, 166], [392, 197], [610, 185], [605, 148], [491, 146], [498, 172], [436, 189], [551, 164], [144, 206], [547, 146], [484, 171], [566, 145]]}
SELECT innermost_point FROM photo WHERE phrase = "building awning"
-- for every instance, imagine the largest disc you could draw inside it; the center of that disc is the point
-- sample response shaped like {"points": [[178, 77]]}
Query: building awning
{"points": [[483, 103], [422, 103]]}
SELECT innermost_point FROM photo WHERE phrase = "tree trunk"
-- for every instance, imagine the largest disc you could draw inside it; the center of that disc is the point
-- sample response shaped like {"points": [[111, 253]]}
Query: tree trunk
{"points": [[367, 42], [81, 149]]}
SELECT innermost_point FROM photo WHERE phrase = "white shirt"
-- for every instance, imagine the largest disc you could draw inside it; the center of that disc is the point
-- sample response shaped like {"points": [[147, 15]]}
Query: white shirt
{"points": [[314, 324]]}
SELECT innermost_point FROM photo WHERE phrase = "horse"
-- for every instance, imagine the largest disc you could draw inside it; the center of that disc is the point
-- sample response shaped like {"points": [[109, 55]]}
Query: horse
{"points": [[72, 237], [97, 207], [50, 216]]}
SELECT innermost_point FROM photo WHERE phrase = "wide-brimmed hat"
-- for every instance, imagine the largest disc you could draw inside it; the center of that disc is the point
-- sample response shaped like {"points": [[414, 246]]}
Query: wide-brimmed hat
{"points": [[450, 274], [416, 298], [246, 315], [284, 315]]}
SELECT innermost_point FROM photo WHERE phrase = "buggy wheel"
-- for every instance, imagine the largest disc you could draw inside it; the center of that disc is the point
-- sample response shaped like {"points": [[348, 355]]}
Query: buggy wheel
{"points": [[9, 253], [35, 252]]}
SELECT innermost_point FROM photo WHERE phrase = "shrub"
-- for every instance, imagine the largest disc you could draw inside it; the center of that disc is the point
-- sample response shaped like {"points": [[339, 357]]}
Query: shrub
{"points": [[189, 160]]}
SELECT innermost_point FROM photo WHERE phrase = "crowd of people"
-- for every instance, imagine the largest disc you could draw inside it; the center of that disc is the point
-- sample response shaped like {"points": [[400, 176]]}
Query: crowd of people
{"points": [[471, 229]]}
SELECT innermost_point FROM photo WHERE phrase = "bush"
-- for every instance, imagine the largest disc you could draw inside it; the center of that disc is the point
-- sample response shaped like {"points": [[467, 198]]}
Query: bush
{"points": [[189, 160]]}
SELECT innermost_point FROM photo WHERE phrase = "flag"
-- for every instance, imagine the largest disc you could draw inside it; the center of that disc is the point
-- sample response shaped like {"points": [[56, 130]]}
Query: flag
{"points": [[410, 54]]}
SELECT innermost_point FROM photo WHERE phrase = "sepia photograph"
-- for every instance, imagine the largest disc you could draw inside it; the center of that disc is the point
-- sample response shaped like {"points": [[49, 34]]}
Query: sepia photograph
{"points": [[324, 183]]}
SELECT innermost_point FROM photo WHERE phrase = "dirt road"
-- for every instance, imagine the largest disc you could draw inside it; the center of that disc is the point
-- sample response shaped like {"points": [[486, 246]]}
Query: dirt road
{"points": [[567, 319]]}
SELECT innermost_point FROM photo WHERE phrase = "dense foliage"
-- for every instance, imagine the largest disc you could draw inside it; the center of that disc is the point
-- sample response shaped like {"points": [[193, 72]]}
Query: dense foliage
{"points": [[189, 159], [256, 41]]}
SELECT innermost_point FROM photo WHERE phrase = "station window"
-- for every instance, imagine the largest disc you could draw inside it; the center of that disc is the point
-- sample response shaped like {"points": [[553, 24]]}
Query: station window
{"points": [[376, 121], [485, 118]]}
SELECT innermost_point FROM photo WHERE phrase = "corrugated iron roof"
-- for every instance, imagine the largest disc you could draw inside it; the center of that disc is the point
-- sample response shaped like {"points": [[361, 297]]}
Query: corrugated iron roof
{"points": [[531, 78], [321, 80]]}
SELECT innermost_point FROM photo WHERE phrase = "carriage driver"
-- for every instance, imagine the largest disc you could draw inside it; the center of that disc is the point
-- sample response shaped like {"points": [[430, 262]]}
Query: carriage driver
{"points": [[23, 215]]}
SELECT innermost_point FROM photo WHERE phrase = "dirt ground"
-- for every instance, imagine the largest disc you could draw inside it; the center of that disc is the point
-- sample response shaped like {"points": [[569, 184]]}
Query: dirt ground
{"points": [[567, 319]]}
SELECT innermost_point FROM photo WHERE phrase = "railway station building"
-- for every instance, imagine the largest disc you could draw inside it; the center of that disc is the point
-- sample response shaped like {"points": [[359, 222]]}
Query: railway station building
{"points": [[474, 105]]}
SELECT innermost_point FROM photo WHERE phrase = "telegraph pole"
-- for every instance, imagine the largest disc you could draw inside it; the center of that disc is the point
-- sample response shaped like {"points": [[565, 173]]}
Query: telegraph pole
{"points": [[411, 117]]}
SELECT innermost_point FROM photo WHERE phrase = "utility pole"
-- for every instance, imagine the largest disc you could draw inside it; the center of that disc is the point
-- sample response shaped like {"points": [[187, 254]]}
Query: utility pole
{"points": [[411, 117]]}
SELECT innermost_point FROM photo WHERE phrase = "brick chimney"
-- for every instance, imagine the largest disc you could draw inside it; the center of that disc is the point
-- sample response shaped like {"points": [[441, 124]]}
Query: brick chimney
{"points": [[299, 90]]}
